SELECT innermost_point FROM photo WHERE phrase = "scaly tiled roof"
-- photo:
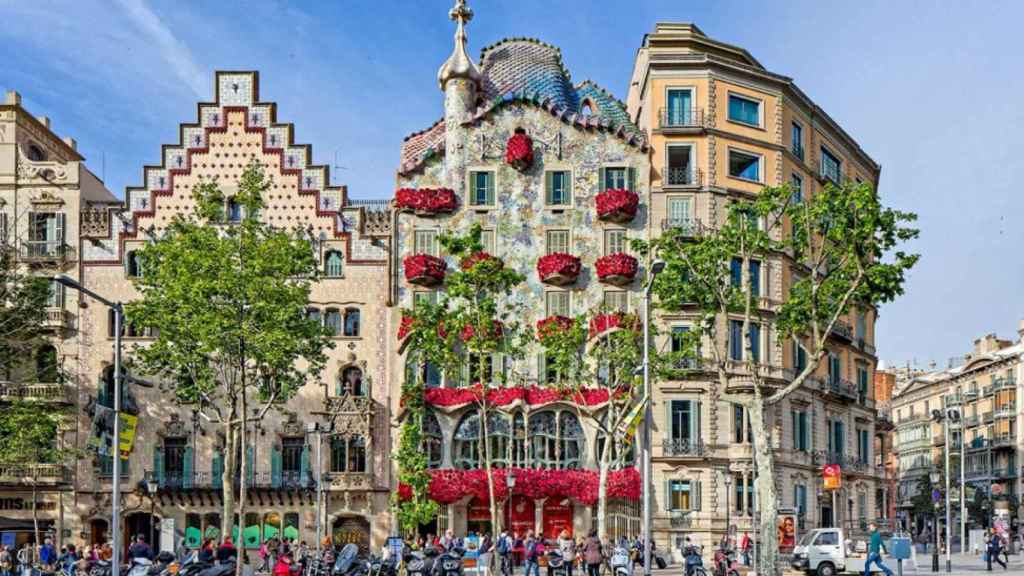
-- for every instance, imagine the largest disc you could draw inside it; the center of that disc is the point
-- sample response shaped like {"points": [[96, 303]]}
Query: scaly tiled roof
{"points": [[530, 71]]}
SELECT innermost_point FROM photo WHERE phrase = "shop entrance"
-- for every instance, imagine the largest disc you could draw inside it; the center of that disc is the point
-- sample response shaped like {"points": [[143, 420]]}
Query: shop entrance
{"points": [[98, 531], [352, 530], [478, 517], [521, 515], [141, 524]]}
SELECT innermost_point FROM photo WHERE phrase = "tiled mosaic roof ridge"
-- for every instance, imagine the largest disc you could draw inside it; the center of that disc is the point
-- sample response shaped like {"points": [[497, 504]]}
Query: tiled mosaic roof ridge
{"points": [[530, 71]]}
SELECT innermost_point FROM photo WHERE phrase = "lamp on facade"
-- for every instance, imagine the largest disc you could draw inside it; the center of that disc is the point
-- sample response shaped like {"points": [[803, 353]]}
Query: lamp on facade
{"points": [[510, 482], [727, 480], [935, 477]]}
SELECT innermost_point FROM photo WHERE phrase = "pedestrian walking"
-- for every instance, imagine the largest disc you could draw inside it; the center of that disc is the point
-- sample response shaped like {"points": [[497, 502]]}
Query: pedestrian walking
{"points": [[47, 555], [994, 550], [6, 561], [745, 545], [593, 554], [875, 547], [534, 550], [567, 548]]}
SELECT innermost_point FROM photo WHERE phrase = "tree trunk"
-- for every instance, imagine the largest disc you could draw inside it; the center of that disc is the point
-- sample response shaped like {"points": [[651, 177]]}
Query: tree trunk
{"points": [[227, 478], [243, 470], [35, 509], [767, 497], [602, 488]]}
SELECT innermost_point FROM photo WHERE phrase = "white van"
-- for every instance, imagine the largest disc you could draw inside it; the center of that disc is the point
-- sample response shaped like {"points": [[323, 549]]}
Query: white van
{"points": [[824, 551]]}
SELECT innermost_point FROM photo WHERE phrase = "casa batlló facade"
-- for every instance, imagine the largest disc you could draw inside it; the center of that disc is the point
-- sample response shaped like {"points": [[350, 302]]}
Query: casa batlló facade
{"points": [[561, 176]]}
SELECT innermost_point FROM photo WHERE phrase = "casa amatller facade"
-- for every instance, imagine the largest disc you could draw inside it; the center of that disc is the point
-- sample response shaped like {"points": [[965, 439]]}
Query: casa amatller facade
{"points": [[560, 175]]}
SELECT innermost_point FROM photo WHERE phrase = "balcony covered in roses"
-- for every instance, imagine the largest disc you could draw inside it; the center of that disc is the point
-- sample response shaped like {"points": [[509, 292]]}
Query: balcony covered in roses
{"points": [[617, 205], [617, 269], [559, 269], [424, 269], [426, 201]]}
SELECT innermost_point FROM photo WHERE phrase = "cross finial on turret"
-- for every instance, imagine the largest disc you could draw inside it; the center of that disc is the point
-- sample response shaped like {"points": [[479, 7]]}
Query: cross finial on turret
{"points": [[459, 64]]}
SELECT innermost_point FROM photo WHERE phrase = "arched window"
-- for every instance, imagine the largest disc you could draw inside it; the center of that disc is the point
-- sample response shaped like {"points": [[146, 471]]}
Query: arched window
{"points": [[314, 315], [133, 264], [466, 450], [332, 321], [351, 322], [333, 264], [36, 154], [570, 438], [622, 455], [543, 440], [432, 440], [348, 454], [556, 440], [430, 373], [234, 210], [351, 382], [46, 364], [518, 440]]}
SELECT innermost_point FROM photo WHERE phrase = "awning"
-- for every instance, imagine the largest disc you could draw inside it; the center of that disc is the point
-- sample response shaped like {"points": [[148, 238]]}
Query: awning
{"points": [[22, 525]]}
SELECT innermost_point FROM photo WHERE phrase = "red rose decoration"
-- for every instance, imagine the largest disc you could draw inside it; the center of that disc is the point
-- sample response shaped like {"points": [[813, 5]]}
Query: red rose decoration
{"points": [[519, 150], [450, 485], [426, 201], [476, 258], [405, 327], [468, 332], [617, 205], [553, 325], [604, 322], [559, 268], [424, 269], [532, 395], [616, 269]]}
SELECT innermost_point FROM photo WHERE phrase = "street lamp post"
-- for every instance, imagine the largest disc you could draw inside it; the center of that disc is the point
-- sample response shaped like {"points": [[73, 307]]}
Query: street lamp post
{"points": [[935, 477], [510, 483], [727, 479], [115, 507], [315, 428], [151, 487], [656, 267]]}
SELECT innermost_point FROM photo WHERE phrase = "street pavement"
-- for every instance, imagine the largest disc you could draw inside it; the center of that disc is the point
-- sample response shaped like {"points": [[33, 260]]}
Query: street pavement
{"points": [[962, 566]]}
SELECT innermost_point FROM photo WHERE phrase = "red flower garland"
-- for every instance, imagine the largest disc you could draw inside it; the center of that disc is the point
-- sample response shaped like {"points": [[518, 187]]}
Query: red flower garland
{"points": [[424, 269], [617, 205], [405, 328], [449, 485], [604, 322], [495, 332], [619, 265], [532, 395], [558, 265], [426, 200], [475, 258], [519, 150], [553, 325]]}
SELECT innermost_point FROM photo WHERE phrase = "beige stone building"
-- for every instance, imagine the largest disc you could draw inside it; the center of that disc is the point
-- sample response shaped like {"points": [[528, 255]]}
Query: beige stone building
{"points": [[47, 195], [983, 385], [721, 127]]}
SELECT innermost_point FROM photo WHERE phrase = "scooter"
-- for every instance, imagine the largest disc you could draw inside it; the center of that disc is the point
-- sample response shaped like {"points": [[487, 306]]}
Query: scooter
{"points": [[694, 561], [556, 564], [620, 562], [449, 564], [420, 563], [348, 563], [725, 563]]}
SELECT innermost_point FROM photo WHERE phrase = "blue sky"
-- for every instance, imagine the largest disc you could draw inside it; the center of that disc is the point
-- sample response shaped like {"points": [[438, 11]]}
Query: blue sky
{"points": [[930, 89]]}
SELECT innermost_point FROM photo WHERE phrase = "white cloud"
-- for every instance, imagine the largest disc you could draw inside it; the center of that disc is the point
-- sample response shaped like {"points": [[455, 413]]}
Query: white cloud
{"points": [[172, 50]]}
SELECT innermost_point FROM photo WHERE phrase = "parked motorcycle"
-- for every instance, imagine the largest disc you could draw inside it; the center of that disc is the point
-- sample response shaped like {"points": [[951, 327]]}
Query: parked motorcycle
{"points": [[725, 563], [383, 567], [420, 563], [694, 561], [348, 563], [556, 564], [619, 562], [449, 563]]}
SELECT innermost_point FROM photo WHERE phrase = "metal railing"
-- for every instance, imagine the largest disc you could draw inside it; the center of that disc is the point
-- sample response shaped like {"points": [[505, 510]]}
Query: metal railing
{"points": [[953, 400], [1004, 440], [972, 420], [34, 391], [34, 473], [987, 418], [864, 346], [683, 447], [1004, 383], [55, 318], [283, 480], [970, 394], [842, 330], [680, 118], [1005, 411], [840, 388], [374, 205], [682, 176], [48, 251], [690, 227]]}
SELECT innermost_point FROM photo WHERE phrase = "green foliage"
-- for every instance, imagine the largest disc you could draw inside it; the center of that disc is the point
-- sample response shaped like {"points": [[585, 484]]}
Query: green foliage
{"points": [[228, 300], [29, 433], [22, 311]]}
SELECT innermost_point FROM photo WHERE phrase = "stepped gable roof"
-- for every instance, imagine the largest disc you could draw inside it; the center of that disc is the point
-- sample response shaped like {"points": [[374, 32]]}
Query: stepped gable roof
{"points": [[530, 71]]}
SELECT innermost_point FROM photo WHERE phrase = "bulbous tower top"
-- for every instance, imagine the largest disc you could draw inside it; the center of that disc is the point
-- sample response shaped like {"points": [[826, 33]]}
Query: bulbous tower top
{"points": [[459, 64]]}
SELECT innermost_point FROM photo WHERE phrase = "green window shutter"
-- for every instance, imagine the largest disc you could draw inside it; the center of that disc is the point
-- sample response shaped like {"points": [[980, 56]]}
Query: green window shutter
{"points": [[186, 482], [304, 466], [669, 424], [602, 184], [158, 463], [695, 495], [549, 185], [250, 473], [275, 466], [631, 179], [668, 495], [218, 470]]}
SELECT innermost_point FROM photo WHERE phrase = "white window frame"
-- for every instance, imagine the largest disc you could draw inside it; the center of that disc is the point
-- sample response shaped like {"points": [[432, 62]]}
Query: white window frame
{"points": [[610, 243], [548, 308], [760, 164], [692, 89], [568, 192], [615, 294], [548, 244], [417, 247], [692, 163]]}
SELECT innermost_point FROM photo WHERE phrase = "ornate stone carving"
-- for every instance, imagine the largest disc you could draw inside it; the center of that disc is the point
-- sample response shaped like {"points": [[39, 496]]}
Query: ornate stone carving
{"points": [[175, 427], [292, 426], [95, 223], [46, 201]]}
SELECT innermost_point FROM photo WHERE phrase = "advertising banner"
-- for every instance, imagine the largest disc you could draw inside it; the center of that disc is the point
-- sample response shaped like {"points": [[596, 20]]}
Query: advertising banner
{"points": [[832, 475]]}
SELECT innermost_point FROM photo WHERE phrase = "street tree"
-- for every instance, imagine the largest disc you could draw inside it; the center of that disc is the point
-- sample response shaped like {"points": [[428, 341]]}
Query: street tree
{"points": [[474, 320], [23, 300], [846, 253], [226, 296], [599, 351]]}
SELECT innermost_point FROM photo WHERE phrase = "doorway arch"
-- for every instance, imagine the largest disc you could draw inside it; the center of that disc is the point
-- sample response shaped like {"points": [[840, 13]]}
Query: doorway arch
{"points": [[351, 529]]}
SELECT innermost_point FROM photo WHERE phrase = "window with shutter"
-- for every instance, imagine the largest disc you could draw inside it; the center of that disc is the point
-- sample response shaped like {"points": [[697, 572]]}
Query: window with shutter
{"points": [[557, 241], [680, 211], [481, 188], [557, 188], [425, 242], [616, 177], [557, 303], [616, 300], [615, 241], [487, 241]]}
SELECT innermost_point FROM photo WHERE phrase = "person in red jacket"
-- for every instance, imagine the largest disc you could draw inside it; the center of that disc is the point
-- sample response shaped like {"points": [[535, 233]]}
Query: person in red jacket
{"points": [[283, 566]]}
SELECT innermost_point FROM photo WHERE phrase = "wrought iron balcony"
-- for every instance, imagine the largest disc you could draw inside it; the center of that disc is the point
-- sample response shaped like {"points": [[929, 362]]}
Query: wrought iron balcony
{"points": [[683, 447], [953, 400], [208, 480], [49, 391], [688, 227], [970, 394], [839, 388], [972, 420], [987, 418], [1004, 440], [842, 330], [865, 347], [1005, 411], [669, 118], [23, 474], [1004, 383], [56, 319], [682, 176], [45, 252]]}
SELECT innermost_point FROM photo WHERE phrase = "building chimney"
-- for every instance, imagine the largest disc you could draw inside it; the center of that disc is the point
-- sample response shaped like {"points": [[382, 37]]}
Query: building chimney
{"points": [[44, 120], [70, 142], [12, 97]]}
